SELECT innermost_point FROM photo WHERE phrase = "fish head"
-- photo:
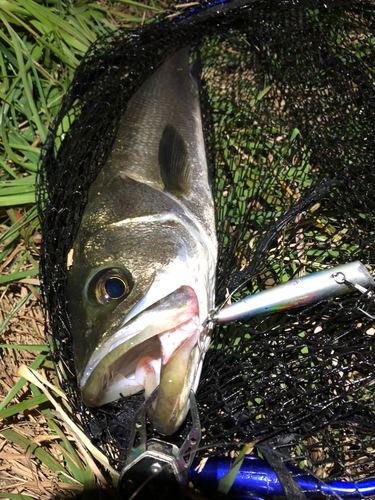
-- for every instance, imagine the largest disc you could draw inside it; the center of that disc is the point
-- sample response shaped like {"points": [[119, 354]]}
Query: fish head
{"points": [[137, 295]]}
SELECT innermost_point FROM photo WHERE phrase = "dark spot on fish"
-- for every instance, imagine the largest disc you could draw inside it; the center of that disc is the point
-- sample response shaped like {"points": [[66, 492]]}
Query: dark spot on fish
{"points": [[173, 162]]}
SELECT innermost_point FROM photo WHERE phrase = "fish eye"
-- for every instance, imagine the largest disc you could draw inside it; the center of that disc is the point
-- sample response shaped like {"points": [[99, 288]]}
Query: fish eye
{"points": [[111, 286]]}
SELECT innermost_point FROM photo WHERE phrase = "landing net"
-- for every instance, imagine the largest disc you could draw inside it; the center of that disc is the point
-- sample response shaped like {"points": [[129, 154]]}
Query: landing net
{"points": [[288, 106]]}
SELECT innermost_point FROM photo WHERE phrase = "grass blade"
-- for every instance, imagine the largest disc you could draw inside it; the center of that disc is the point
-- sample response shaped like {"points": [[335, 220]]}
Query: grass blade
{"points": [[17, 225], [12, 313], [71, 456], [226, 482], [41, 348], [25, 405], [88, 480], [19, 199], [17, 276], [22, 381]]}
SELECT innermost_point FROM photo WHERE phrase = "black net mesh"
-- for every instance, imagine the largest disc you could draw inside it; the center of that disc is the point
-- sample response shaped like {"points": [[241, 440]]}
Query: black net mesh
{"points": [[288, 105]]}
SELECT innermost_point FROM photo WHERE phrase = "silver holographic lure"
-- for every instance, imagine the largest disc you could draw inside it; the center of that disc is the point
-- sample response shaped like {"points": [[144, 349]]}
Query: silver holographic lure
{"points": [[300, 292]]}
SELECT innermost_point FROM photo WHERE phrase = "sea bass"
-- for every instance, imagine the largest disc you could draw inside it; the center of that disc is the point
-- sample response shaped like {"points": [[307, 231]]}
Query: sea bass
{"points": [[142, 276]]}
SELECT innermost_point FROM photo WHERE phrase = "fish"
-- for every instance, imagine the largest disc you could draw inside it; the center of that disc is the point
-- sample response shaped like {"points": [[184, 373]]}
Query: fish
{"points": [[141, 274]]}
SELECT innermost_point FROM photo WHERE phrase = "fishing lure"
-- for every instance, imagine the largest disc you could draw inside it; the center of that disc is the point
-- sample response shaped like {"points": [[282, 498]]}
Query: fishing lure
{"points": [[300, 292]]}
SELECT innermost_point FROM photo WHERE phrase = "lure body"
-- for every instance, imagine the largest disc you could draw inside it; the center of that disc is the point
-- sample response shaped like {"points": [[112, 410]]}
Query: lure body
{"points": [[299, 292]]}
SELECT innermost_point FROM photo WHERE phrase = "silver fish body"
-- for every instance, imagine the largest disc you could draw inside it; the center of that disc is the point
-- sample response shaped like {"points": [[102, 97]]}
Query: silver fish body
{"points": [[144, 260]]}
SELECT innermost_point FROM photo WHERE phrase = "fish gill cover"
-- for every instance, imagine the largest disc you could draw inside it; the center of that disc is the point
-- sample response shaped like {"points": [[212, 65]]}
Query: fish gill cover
{"points": [[288, 108]]}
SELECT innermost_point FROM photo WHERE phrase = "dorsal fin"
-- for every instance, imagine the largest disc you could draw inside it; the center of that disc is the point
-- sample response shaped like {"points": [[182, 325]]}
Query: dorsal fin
{"points": [[173, 162]]}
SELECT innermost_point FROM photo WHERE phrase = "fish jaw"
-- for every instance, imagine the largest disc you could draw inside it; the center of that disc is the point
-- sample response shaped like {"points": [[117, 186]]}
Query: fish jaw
{"points": [[176, 375], [154, 348], [179, 374]]}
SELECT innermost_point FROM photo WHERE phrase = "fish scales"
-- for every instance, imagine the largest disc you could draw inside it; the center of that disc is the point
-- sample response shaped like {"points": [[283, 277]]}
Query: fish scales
{"points": [[144, 260]]}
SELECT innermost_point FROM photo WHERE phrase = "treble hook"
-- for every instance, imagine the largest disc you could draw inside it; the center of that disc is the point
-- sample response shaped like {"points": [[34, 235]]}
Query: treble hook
{"points": [[366, 313], [204, 342], [340, 278]]}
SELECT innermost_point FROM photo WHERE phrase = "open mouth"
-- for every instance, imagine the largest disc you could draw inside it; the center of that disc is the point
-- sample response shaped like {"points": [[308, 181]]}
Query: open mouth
{"points": [[154, 344]]}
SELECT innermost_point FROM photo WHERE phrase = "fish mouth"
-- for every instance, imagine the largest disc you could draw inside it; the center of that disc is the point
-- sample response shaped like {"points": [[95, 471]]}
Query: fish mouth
{"points": [[157, 347]]}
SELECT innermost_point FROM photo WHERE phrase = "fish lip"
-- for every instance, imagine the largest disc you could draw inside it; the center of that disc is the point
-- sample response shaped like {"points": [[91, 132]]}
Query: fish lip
{"points": [[123, 341]]}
